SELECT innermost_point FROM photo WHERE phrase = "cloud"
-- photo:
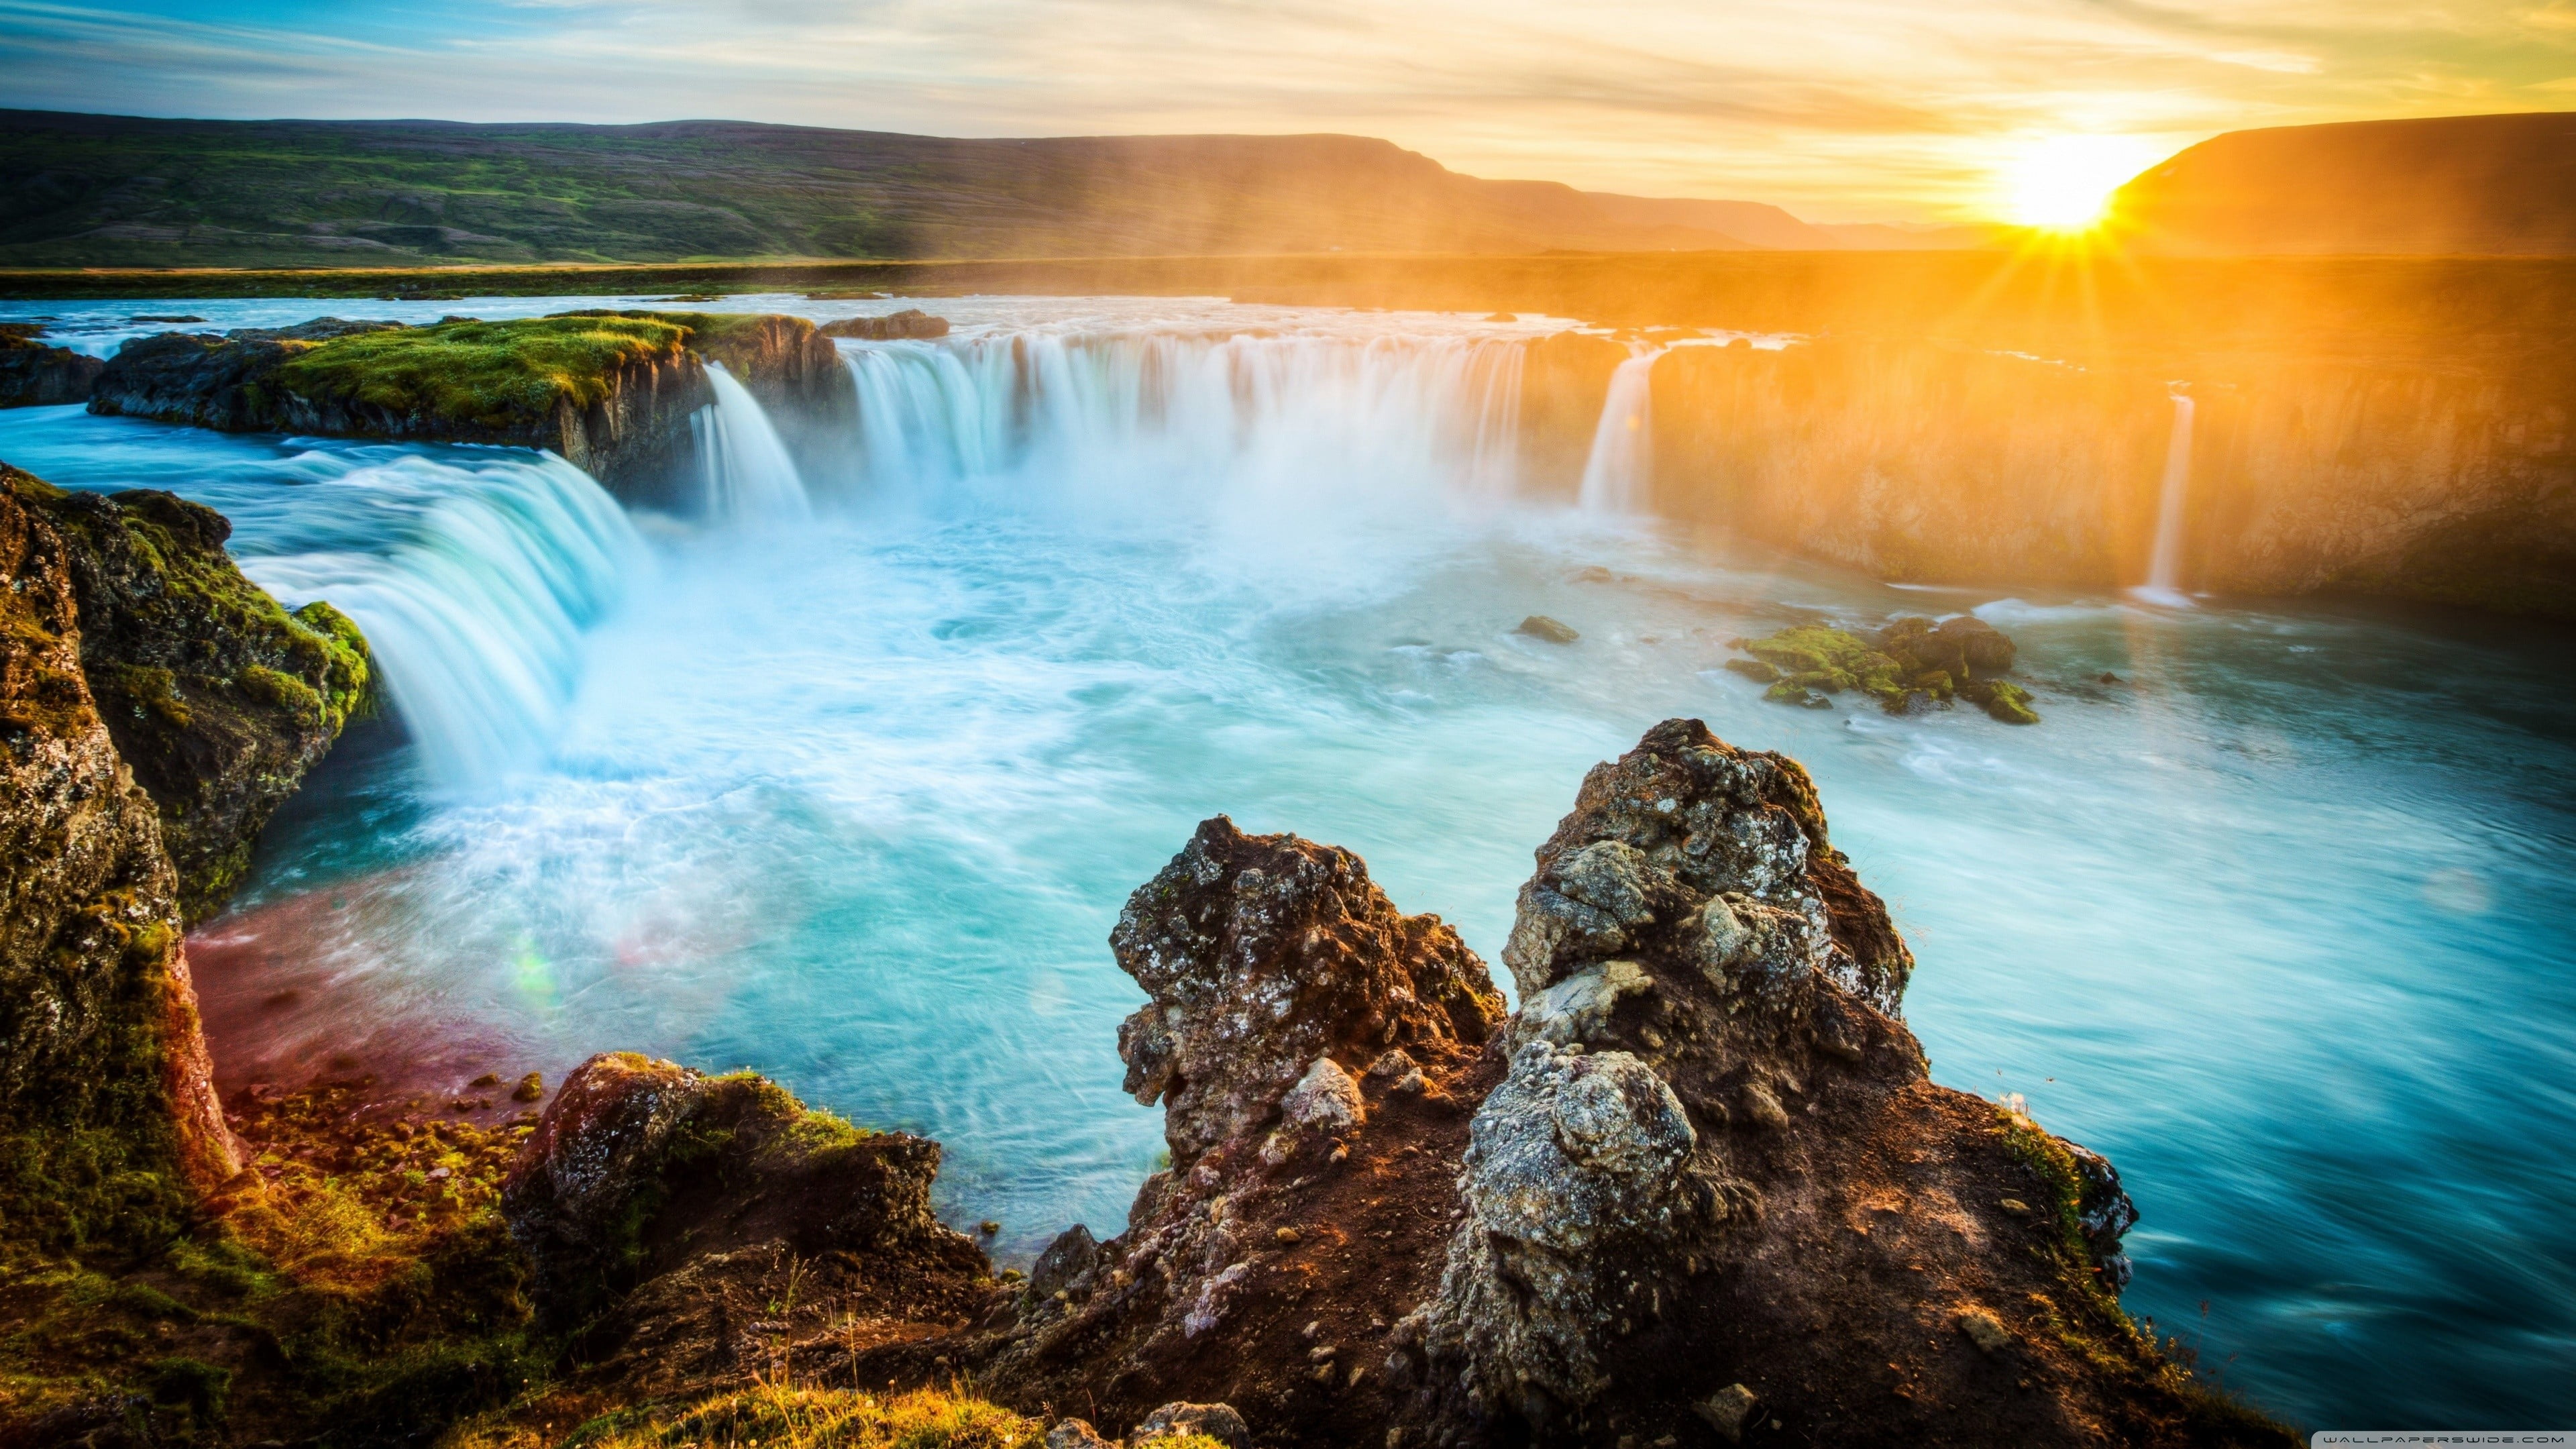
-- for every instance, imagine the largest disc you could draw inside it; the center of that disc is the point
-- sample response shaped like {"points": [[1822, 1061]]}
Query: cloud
{"points": [[1841, 109]]}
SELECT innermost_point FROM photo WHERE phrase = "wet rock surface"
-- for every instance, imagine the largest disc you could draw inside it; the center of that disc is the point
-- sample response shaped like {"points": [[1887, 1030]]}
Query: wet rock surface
{"points": [[33, 375], [219, 699], [1911, 665]]}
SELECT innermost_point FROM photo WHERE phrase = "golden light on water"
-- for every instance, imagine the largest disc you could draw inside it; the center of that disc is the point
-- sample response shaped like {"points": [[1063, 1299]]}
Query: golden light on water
{"points": [[2064, 183]]}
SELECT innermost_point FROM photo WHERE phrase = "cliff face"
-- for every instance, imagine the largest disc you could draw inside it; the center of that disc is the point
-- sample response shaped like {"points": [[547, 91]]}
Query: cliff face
{"points": [[218, 699], [1920, 461], [107, 1105], [612, 392]]}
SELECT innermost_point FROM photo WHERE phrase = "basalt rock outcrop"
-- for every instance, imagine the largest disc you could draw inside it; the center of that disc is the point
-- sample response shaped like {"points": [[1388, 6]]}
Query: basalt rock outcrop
{"points": [[1697, 1190], [216, 697], [696, 1230], [613, 392], [108, 1113], [33, 375]]}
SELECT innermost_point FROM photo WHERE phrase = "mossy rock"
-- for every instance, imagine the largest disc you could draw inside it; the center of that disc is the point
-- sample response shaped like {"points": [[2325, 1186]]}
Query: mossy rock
{"points": [[217, 697], [1912, 665], [502, 377], [2001, 698]]}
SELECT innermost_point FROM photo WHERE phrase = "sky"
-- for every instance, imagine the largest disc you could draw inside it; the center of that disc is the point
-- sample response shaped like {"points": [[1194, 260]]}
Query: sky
{"points": [[1841, 110]]}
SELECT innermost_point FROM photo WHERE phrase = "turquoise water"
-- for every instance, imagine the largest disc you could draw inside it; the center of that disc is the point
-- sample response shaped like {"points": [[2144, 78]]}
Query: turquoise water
{"points": [[2279, 922]]}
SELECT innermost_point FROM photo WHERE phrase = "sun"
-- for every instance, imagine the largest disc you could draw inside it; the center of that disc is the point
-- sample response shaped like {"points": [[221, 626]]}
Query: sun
{"points": [[2064, 183]]}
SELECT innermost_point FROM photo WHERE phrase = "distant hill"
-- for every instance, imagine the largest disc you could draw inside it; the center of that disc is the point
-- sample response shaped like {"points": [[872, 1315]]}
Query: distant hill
{"points": [[2459, 185], [82, 190]]}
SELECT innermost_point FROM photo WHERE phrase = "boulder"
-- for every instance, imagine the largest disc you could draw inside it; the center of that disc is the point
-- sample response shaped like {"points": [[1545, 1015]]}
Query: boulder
{"points": [[1209, 1421], [33, 375], [675, 1213], [1540, 626], [1263, 953], [218, 698], [911, 322]]}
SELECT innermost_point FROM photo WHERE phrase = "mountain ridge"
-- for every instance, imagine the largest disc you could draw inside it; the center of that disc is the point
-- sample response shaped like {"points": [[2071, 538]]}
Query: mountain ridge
{"points": [[81, 189]]}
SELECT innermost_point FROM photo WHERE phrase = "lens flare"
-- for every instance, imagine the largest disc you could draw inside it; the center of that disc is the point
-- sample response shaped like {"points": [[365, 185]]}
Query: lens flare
{"points": [[2064, 183]]}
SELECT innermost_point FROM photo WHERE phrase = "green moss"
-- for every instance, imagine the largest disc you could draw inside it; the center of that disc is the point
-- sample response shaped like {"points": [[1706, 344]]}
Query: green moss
{"points": [[2003, 699], [504, 376], [200, 1388], [333, 649], [1831, 660], [281, 691]]}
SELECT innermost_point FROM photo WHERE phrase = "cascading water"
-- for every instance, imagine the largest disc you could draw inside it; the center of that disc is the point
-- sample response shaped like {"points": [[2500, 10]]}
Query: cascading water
{"points": [[1329, 419], [475, 610], [750, 478], [2164, 567], [1615, 474]]}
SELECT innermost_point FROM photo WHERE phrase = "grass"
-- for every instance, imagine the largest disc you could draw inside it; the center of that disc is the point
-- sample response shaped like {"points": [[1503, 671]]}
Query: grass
{"points": [[789, 1416], [499, 375]]}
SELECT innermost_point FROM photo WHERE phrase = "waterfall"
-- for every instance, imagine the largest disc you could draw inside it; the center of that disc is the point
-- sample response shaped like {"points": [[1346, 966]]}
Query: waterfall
{"points": [[750, 477], [1615, 474], [2164, 568], [1311, 421], [475, 607]]}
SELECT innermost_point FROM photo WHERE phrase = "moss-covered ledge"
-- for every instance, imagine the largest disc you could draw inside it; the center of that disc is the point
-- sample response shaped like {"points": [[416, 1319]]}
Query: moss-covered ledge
{"points": [[612, 391]]}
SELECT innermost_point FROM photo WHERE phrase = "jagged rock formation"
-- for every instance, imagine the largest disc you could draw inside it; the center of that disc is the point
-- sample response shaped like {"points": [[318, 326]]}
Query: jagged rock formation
{"points": [[107, 1104], [218, 698], [696, 1228], [1317, 1052], [1698, 1189], [612, 392], [33, 375]]}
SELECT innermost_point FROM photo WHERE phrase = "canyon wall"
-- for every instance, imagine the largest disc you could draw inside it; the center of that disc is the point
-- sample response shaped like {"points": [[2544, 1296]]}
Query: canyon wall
{"points": [[1925, 461]]}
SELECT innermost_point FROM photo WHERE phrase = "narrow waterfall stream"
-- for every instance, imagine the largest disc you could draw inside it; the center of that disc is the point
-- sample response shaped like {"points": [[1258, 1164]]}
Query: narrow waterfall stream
{"points": [[856, 802], [2164, 567], [750, 476], [1616, 474]]}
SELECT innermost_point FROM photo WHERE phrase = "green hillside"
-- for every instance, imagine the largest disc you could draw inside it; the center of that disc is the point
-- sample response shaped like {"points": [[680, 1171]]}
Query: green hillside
{"points": [[80, 190]]}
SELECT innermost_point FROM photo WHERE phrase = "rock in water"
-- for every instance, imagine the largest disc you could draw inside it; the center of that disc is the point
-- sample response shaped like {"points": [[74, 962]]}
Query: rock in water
{"points": [[108, 1116], [33, 375], [218, 698], [1540, 626], [911, 322]]}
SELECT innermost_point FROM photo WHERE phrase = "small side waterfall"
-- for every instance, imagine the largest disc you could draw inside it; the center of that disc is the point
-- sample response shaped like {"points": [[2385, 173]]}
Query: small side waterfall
{"points": [[2164, 567], [476, 608], [1615, 474], [750, 477]]}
